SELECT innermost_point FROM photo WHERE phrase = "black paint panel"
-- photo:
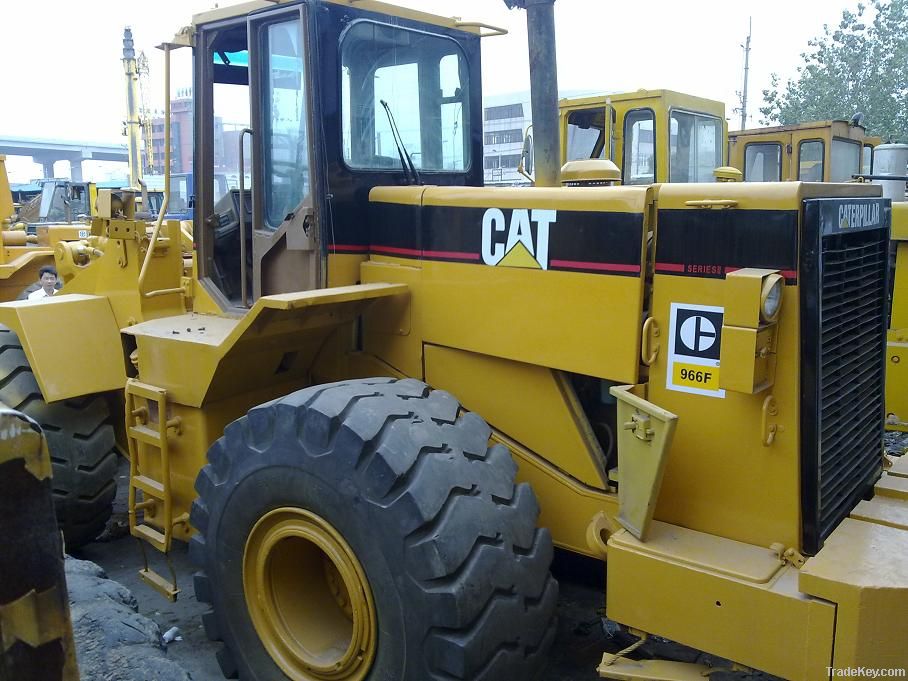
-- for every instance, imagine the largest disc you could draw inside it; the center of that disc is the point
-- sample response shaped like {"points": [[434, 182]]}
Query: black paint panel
{"points": [[708, 243], [584, 241]]}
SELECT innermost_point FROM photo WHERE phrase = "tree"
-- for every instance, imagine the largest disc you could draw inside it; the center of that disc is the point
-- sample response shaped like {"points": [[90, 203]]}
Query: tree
{"points": [[860, 66]]}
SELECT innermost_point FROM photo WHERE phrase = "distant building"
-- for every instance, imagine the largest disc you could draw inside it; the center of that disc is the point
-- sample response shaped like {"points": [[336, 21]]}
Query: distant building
{"points": [[505, 120], [180, 135], [226, 139]]}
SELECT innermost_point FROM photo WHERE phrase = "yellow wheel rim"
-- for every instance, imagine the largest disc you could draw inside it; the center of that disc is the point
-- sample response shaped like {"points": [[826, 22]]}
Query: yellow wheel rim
{"points": [[308, 597]]}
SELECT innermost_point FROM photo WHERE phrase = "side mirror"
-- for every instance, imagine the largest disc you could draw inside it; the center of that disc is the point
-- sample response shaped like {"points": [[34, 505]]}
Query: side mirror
{"points": [[526, 156]]}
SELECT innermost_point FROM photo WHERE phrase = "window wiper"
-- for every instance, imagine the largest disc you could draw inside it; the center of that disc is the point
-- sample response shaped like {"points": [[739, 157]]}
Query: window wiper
{"points": [[405, 161]]}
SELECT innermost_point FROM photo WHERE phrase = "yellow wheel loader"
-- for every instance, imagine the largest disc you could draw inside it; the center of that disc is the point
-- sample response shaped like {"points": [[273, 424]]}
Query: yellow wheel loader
{"points": [[373, 408], [22, 254]]}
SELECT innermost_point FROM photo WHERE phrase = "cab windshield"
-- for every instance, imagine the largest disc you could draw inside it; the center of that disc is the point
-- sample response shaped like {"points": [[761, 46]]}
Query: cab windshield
{"points": [[422, 78], [51, 209]]}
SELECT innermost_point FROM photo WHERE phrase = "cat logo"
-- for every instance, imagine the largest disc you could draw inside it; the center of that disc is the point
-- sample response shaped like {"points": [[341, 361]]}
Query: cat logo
{"points": [[522, 241], [695, 338], [859, 215]]}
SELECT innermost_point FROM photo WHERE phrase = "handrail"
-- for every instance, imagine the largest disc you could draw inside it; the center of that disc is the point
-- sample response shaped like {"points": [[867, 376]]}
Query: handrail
{"points": [[712, 203], [494, 30], [157, 225], [242, 218], [897, 178]]}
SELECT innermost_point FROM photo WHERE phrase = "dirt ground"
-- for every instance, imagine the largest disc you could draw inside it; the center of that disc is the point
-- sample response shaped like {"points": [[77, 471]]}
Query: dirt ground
{"points": [[577, 650]]}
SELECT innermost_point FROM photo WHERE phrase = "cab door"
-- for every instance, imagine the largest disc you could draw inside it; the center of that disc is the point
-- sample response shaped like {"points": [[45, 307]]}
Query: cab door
{"points": [[286, 252]]}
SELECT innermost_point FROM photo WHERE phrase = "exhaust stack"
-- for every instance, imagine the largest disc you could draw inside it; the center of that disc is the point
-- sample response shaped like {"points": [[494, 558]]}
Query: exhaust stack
{"points": [[543, 88]]}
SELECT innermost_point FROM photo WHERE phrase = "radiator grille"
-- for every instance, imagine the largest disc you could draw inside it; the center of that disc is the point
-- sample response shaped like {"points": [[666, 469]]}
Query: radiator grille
{"points": [[844, 274], [853, 309]]}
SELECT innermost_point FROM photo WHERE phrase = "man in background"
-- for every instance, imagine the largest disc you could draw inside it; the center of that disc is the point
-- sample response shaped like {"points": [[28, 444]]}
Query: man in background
{"points": [[47, 278]]}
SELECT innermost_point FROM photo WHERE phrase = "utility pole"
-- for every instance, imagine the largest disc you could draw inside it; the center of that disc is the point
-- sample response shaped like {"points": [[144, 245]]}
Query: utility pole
{"points": [[746, 47]]}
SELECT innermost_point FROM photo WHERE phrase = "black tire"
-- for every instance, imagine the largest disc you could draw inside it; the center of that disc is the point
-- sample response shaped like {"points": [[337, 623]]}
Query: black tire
{"points": [[458, 569], [81, 441], [31, 561]]}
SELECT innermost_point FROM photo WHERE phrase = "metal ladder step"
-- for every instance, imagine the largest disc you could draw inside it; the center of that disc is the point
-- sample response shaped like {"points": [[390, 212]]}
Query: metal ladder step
{"points": [[166, 587], [146, 390], [149, 486], [151, 535], [149, 436]]}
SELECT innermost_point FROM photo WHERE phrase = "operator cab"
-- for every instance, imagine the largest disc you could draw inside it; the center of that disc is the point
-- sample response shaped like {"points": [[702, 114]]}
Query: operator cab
{"points": [[310, 106], [653, 135], [65, 201], [821, 151]]}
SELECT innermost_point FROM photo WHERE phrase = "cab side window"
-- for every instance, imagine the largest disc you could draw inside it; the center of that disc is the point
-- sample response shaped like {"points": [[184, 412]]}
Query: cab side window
{"points": [[287, 174]]}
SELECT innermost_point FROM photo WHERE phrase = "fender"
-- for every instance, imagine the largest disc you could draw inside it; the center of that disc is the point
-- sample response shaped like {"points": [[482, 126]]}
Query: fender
{"points": [[72, 343]]}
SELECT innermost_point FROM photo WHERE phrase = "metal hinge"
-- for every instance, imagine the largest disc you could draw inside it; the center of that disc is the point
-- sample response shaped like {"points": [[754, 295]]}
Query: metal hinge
{"points": [[790, 556], [640, 424]]}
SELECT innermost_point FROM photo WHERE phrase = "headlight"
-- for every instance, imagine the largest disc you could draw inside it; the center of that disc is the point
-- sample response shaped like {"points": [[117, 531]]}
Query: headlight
{"points": [[771, 298]]}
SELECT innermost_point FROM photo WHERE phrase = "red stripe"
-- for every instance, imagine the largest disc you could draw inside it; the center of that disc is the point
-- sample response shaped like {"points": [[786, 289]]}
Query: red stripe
{"points": [[396, 250], [358, 248], [674, 267], [600, 266], [454, 255], [447, 255], [788, 274]]}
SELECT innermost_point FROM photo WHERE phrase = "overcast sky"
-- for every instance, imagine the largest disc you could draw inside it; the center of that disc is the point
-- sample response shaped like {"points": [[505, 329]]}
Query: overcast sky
{"points": [[62, 77]]}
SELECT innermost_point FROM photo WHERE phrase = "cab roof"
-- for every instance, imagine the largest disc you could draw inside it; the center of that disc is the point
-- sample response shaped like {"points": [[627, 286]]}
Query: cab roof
{"points": [[245, 8], [669, 98], [810, 125]]}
